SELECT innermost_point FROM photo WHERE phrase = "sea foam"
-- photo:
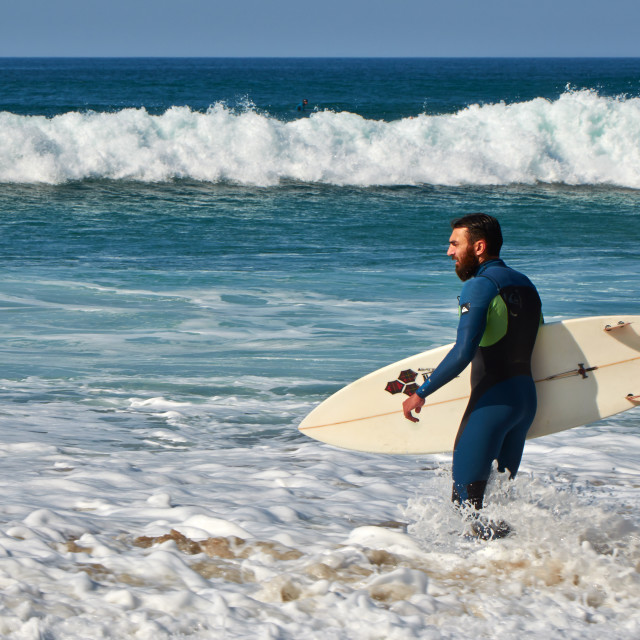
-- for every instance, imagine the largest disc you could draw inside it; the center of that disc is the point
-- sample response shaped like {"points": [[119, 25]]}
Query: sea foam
{"points": [[581, 138]]}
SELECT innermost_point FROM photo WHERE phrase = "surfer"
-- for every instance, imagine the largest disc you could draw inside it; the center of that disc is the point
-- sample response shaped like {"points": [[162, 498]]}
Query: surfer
{"points": [[500, 312], [303, 105]]}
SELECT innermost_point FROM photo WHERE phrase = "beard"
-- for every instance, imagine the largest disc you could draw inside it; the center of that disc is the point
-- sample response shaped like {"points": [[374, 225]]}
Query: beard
{"points": [[467, 265]]}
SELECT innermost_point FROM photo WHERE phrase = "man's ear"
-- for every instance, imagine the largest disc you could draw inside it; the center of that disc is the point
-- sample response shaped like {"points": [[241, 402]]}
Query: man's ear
{"points": [[480, 247]]}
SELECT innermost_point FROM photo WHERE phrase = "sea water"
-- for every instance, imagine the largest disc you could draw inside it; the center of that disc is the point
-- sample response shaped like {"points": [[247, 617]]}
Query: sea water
{"points": [[189, 265]]}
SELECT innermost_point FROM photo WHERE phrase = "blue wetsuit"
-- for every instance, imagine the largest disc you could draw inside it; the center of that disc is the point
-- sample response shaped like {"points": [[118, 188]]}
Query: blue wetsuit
{"points": [[500, 312]]}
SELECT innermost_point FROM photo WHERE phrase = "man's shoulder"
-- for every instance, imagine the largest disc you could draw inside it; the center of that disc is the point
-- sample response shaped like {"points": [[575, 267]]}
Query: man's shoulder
{"points": [[479, 287], [504, 275]]}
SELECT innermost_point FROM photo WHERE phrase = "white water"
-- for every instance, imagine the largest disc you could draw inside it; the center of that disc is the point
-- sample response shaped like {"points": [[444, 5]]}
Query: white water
{"points": [[108, 447], [295, 539], [580, 138]]}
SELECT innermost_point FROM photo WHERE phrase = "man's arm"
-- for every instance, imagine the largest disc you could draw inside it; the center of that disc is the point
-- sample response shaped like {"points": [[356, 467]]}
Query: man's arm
{"points": [[475, 298]]}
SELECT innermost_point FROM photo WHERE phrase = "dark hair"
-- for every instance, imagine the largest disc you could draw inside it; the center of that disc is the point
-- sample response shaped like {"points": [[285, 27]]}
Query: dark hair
{"points": [[482, 227]]}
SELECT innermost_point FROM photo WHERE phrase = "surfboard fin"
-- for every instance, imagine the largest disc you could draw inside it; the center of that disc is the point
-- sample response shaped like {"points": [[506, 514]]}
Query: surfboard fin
{"points": [[620, 324]]}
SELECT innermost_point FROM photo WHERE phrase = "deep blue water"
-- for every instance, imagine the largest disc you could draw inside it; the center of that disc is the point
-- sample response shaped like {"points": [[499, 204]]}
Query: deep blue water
{"points": [[375, 88]]}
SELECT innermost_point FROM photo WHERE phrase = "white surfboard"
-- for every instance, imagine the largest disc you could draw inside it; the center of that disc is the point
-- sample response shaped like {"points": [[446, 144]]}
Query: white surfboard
{"points": [[585, 370]]}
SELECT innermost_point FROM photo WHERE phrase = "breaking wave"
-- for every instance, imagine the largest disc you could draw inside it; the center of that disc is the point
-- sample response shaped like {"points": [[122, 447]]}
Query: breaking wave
{"points": [[581, 138]]}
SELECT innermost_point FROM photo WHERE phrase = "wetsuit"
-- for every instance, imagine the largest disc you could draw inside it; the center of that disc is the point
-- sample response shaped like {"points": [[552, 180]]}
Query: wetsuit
{"points": [[500, 312]]}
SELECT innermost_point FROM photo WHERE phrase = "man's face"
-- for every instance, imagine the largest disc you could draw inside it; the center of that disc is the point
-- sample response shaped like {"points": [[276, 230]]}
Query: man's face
{"points": [[463, 252]]}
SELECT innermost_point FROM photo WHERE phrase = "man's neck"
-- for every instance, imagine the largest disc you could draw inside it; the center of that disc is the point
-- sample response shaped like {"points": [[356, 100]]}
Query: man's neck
{"points": [[483, 259]]}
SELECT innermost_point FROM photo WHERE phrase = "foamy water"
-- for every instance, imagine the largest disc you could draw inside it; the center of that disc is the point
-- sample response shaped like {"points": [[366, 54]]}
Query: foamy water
{"points": [[579, 138], [288, 539], [143, 505]]}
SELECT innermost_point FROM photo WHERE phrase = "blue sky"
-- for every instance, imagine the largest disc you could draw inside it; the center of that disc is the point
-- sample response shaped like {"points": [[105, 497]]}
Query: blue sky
{"points": [[320, 28]]}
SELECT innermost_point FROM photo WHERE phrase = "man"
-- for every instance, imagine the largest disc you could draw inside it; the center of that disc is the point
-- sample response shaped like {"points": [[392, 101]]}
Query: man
{"points": [[500, 312]]}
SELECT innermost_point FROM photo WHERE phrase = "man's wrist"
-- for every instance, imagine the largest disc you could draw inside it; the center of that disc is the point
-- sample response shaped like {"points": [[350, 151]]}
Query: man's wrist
{"points": [[421, 392]]}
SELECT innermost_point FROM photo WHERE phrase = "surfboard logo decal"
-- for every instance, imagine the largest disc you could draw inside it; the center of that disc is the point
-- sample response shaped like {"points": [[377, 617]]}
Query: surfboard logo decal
{"points": [[404, 383]]}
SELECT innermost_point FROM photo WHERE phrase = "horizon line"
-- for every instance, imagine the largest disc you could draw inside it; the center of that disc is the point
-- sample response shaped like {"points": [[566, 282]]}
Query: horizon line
{"points": [[319, 57]]}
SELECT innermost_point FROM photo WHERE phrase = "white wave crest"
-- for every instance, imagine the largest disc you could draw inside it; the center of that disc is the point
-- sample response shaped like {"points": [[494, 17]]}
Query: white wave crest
{"points": [[580, 138]]}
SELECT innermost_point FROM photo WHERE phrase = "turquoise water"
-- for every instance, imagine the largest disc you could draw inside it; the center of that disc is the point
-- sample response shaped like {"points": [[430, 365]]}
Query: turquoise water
{"points": [[348, 278]]}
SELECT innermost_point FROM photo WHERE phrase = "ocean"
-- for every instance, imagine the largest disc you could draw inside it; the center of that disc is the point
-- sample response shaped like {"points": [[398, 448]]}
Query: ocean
{"points": [[189, 265]]}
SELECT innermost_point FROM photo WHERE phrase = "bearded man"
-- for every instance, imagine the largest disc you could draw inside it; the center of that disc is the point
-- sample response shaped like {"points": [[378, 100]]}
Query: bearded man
{"points": [[500, 312]]}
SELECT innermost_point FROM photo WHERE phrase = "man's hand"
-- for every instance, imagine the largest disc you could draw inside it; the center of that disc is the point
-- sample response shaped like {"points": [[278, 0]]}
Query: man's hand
{"points": [[412, 403]]}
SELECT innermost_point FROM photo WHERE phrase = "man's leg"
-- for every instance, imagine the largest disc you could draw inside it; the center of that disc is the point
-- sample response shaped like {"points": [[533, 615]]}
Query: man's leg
{"points": [[510, 455], [477, 448], [493, 427]]}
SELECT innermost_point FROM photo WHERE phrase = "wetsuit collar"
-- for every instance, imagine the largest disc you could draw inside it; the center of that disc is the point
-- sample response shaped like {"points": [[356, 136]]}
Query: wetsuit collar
{"points": [[488, 263]]}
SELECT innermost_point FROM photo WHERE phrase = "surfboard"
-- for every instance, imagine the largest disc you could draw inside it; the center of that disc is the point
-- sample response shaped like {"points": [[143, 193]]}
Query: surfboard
{"points": [[585, 369]]}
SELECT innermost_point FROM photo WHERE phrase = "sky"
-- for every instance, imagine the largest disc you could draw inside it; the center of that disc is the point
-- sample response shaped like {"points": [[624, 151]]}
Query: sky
{"points": [[320, 28]]}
